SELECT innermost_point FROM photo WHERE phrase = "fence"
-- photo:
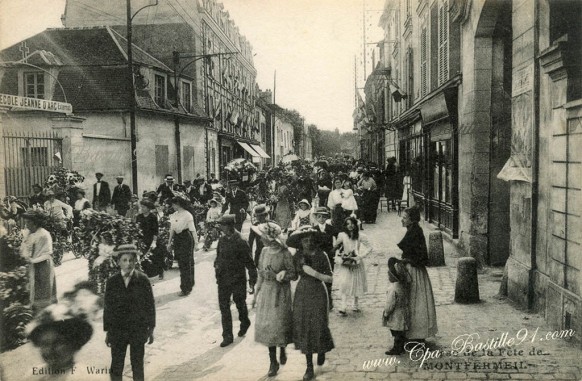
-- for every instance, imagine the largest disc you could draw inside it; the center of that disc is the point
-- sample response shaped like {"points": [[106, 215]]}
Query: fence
{"points": [[29, 159]]}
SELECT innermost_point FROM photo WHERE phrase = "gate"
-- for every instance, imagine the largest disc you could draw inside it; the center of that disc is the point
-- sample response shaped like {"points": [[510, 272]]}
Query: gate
{"points": [[29, 159]]}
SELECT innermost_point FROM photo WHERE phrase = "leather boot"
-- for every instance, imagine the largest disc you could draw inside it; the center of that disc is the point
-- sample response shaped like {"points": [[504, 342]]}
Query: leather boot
{"points": [[274, 367], [283, 356], [309, 374]]}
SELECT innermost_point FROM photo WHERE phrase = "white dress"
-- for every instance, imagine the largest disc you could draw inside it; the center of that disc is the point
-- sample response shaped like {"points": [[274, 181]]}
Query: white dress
{"points": [[348, 200], [352, 279]]}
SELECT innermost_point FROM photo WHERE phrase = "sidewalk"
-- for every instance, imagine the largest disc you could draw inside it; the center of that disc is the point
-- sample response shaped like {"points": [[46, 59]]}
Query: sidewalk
{"points": [[188, 331]]}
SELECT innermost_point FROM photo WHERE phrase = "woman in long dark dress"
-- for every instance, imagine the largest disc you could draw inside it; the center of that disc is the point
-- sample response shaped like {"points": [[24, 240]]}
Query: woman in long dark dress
{"points": [[311, 332], [148, 223], [183, 237], [422, 311]]}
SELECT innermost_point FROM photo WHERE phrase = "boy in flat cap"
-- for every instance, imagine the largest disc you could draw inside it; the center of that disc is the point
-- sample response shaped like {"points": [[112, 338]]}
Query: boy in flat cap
{"points": [[129, 314], [233, 256]]}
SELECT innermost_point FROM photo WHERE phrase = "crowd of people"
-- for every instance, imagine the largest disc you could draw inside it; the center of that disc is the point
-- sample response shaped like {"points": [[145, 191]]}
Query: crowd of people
{"points": [[307, 223]]}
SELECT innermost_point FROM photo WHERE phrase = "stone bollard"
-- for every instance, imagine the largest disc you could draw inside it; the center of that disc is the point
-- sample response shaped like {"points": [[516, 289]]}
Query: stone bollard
{"points": [[436, 253], [467, 286]]}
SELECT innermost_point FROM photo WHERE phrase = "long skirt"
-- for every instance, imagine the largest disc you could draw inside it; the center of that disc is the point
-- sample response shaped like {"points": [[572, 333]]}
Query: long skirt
{"points": [[274, 318], [43, 285], [422, 311], [311, 332], [184, 253], [352, 279]]}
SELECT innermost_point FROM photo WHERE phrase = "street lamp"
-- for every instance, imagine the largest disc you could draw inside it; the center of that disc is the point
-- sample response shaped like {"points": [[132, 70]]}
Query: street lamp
{"points": [[132, 102], [176, 60]]}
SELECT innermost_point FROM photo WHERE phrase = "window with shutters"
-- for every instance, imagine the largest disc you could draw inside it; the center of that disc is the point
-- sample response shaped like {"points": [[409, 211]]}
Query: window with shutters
{"points": [[423, 62], [443, 55], [162, 160]]}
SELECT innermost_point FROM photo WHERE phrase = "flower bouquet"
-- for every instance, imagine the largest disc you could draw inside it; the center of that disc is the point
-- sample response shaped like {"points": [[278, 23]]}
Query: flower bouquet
{"points": [[349, 259]]}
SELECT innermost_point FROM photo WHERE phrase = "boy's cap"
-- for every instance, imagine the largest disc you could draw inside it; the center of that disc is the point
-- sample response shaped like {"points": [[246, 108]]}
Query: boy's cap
{"points": [[125, 249]]}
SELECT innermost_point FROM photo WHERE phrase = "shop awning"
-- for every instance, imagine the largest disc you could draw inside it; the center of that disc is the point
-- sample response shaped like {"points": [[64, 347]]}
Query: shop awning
{"points": [[260, 151], [247, 148]]}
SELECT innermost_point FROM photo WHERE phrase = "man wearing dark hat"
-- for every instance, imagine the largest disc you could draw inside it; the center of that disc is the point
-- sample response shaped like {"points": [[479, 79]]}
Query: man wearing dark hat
{"points": [[129, 314], [233, 256], [101, 193], [166, 190], [261, 213], [238, 202], [36, 198], [121, 197]]}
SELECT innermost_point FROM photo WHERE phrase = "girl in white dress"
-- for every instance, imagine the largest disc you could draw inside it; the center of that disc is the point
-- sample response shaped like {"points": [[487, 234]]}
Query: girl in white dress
{"points": [[351, 247], [349, 204]]}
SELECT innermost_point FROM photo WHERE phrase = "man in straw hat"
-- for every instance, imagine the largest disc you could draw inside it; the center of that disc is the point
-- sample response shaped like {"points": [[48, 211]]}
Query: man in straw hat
{"points": [[166, 189], [129, 315], [261, 213], [233, 256]]}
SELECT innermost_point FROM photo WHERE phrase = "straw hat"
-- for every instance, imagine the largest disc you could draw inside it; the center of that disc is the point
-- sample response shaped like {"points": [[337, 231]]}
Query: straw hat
{"points": [[270, 231]]}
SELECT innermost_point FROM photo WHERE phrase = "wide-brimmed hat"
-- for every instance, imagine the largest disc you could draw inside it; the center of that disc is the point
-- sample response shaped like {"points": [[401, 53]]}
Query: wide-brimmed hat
{"points": [[233, 182], [169, 178], [69, 318], [270, 231], [125, 249], [294, 239], [227, 219], [304, 201], [261, 209], [120, 177], [181, 201], [98, 174], [148, 204], [321, 210], [34, 215], [217, 200], [397, 269]]}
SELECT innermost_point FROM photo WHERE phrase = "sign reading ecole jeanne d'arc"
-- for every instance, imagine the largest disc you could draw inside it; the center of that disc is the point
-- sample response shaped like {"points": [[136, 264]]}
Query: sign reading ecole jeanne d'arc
{"points": [[24, 103]]}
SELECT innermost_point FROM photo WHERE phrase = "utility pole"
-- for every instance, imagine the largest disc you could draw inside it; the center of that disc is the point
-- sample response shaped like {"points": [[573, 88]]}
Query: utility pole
{"points": [[132, 103]]}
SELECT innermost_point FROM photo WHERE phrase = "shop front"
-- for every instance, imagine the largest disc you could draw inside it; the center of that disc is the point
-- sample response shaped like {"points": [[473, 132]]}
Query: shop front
{"points": [[428, 153]]}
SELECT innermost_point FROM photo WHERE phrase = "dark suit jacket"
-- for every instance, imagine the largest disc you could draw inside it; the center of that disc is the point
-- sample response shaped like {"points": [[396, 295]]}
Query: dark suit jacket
{"points": [[195, 194], [104, 195], [130, 309], [165, 192], [121, 197], [325, 239], [36, 199], [233, 256], [237, 202]]}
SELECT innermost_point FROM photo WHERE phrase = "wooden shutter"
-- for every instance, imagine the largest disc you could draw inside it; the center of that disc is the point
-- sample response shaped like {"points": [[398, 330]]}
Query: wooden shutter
{"points": [[443, 42], [423, 62], [162, 159]]}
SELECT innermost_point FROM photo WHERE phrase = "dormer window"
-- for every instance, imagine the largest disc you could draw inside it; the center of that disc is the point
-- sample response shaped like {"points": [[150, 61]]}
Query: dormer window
{"points": [[160, 90], [34, 86], [187, 96]]}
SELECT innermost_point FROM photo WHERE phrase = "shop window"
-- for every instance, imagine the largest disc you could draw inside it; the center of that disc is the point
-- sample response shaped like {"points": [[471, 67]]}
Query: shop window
{"points": [[34, 86]]}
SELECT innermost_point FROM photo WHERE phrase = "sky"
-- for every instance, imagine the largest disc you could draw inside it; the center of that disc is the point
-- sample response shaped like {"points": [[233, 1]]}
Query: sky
{"points": [[311, 44]]}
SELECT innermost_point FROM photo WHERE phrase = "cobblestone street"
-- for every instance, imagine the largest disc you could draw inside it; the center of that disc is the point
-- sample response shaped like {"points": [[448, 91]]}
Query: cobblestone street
{"points": [[188, 332]]}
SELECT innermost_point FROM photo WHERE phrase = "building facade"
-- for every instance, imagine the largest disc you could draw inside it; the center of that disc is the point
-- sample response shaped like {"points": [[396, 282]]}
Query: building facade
{"points": [[88, 69], [487, 131]]}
